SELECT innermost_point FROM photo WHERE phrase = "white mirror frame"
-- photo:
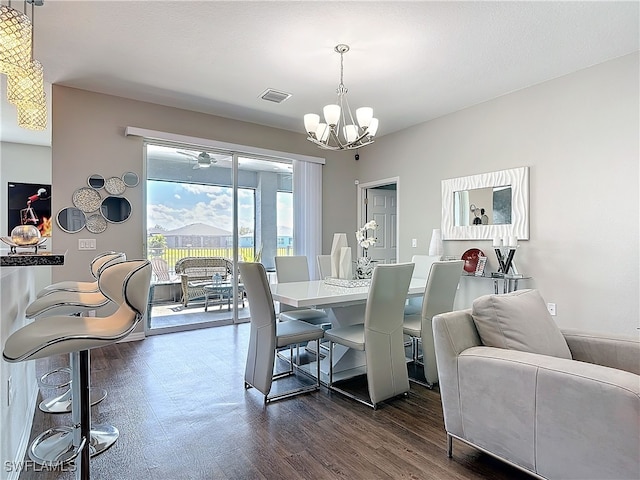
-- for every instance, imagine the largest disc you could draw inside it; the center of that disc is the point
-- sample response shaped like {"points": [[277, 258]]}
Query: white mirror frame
{"points": [[518, 178]]}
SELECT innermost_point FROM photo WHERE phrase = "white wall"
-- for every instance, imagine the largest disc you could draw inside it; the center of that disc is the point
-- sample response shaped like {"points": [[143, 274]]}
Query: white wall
{"points": [[580, 136]]}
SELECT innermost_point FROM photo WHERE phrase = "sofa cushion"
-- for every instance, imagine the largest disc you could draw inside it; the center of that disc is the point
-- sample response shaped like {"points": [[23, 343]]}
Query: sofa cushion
{"points": [[518, 321]]}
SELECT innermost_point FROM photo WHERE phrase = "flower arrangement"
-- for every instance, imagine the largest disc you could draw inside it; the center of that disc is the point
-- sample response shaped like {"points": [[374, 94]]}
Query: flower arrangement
{"points": [[361, 235], [364, 265]]}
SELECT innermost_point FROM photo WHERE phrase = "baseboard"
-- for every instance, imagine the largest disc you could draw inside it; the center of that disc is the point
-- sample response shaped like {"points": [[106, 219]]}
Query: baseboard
{"points": [[134, 337], [21, 453]]}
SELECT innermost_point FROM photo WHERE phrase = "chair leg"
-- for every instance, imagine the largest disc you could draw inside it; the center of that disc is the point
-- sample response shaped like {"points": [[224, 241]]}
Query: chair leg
{"points": [[449, 446], [318, 362], [330, 364]]}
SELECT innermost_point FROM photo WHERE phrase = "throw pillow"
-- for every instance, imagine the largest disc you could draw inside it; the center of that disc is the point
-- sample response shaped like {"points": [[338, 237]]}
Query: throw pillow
{"points": [[518, 321]]}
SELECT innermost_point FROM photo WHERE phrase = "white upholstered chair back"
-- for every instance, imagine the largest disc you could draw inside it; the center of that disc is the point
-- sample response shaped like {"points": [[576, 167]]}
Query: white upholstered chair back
{"points": [[324, 266], [384, 347], [439, 296], [262, 337]]}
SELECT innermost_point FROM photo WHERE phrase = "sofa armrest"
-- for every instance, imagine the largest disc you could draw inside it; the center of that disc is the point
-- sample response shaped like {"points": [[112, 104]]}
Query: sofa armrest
{"points": [[559, 418], [613, 351], [453, 333]]}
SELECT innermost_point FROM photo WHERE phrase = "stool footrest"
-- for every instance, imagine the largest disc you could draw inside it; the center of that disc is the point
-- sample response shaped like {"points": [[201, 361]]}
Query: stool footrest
{"points": [[55, 446]]}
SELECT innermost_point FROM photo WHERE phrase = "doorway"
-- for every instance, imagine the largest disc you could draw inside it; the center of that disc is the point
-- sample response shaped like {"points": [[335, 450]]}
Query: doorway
{"points": [[205, 207], [378, 200]]}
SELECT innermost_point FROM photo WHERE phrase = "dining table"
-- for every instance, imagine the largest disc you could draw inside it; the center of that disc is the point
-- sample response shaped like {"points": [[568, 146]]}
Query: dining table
{"points": [[345, 305]]}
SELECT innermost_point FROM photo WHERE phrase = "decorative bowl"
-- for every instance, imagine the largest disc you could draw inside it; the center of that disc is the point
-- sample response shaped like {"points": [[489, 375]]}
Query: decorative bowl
{"points": [[25, 235]]}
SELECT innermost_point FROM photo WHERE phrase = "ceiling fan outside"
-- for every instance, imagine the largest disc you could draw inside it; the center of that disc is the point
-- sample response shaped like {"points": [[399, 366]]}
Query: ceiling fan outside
{"points": [[203, 160]]}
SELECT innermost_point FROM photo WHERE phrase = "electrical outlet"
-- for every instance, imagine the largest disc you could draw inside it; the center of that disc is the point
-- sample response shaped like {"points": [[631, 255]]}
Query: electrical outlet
{"points": [[86, 244], [414, 242], [552, 309]]}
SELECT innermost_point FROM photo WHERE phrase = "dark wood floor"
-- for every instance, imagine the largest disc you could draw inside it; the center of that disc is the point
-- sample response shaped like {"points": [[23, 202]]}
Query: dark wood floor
{"points": [[183, 413]]}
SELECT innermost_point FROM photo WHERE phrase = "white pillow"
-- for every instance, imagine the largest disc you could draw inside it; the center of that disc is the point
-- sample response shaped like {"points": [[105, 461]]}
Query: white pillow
{"points": [[518, 321]]}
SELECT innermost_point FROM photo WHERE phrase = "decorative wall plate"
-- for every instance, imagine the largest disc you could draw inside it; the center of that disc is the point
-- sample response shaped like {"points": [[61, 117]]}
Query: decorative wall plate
{"points": [[115, 186], [86, 199], [470, 258], [96, 223]]}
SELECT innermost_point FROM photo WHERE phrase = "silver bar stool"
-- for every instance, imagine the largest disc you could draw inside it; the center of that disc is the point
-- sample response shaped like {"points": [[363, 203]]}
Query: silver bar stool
{"points": [[126, 284]]}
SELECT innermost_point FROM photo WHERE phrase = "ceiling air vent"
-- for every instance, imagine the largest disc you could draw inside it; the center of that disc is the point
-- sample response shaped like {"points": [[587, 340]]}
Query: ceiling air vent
{"points": [[274, 95]]}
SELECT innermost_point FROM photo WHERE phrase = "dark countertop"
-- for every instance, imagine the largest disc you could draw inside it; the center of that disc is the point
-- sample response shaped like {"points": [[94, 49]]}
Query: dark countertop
{"points": [[30, 258]]}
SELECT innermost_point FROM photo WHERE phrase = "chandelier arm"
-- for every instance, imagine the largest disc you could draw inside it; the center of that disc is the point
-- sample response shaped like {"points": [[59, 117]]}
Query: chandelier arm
{"points": [[326, 146]]}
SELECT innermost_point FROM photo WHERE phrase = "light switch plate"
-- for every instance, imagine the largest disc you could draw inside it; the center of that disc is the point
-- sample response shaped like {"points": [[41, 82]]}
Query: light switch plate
{"points": [[86, 244]]}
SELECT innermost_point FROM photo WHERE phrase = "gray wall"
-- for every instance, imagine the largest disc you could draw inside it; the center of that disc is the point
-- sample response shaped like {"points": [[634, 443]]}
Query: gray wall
{"points": [[88, 137], [579, 134]]}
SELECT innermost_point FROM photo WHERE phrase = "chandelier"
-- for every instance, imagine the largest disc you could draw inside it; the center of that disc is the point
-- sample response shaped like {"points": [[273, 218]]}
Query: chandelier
{"points": [[340, 131], [15, 41], [25, 76]]}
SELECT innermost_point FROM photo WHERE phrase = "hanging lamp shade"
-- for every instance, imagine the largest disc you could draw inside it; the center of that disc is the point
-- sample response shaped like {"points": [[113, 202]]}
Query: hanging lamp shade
{"points": [[27, 90], [34, 118], [15, 41]]}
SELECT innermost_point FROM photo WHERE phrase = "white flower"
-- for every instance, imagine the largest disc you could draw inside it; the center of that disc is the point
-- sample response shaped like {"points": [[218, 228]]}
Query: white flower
{"points": [[361, 235]]}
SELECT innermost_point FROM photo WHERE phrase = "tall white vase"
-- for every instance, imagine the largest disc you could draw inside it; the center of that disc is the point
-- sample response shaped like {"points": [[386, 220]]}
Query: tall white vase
{"points": [[435, 247], [339, 241], [345, 264]]}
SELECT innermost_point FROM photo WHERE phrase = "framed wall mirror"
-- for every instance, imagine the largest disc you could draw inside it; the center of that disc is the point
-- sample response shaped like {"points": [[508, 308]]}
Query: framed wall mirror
{"points": [[71, 220], [486, 206], [115, 209]]}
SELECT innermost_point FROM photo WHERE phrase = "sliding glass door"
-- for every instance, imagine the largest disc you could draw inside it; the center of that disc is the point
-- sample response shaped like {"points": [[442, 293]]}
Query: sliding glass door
{"points": [[206, 211]]}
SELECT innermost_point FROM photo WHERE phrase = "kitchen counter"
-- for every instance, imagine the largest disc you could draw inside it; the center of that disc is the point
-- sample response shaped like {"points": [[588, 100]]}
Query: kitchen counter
{"points": [[30, 258]]}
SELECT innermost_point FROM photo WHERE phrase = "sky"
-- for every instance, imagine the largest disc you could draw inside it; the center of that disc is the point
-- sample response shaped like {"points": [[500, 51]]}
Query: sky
{"points": [[172, 205]]}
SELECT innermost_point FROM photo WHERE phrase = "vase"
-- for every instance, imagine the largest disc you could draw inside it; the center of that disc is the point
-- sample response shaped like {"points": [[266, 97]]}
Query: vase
{"points": [[364, 267], [339, 241], [345, 264], [436, 247]]}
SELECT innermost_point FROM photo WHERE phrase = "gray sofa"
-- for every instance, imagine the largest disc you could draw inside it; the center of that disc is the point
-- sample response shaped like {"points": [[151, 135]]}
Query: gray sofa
{"points": [[558, 418]]}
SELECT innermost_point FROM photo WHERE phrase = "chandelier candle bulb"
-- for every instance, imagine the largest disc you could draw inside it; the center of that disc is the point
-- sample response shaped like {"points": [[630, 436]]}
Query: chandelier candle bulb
{"points": [[373, 127], [331, 114], [311, 123], [364, 116]]}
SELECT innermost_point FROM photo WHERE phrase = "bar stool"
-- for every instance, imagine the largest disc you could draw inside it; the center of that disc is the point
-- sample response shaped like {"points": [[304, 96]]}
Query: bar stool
{"points": [[52, 443], [126, 284], [97, 264], [62, 403], [65, 303]]}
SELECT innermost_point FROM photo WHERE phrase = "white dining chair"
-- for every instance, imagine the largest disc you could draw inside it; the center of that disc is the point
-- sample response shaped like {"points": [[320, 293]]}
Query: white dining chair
{"points": [[380, 336], [296, 269], [267, 336], [439, 296], [421, 271], [324, 266]]}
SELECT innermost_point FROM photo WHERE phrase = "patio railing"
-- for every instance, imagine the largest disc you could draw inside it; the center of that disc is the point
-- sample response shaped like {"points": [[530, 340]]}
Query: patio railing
{"points": [[172, 255]]}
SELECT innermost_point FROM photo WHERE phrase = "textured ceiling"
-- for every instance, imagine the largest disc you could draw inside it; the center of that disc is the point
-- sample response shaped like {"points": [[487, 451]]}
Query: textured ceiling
{"points": [[410, 61]]}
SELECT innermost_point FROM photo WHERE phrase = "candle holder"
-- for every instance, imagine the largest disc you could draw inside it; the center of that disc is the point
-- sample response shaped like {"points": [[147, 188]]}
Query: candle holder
{"points": [[505, 260]]}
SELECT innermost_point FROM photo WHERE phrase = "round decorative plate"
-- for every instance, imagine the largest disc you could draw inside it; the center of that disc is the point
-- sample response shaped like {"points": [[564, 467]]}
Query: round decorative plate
{"points": [[86, 199], [96, 223], [114, 186], [470, 258]]}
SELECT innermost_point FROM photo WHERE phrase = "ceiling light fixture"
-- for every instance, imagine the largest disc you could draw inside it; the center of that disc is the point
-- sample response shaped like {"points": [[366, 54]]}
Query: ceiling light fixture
{"points": [[339, 131], [25, 86], [15, 41]]}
